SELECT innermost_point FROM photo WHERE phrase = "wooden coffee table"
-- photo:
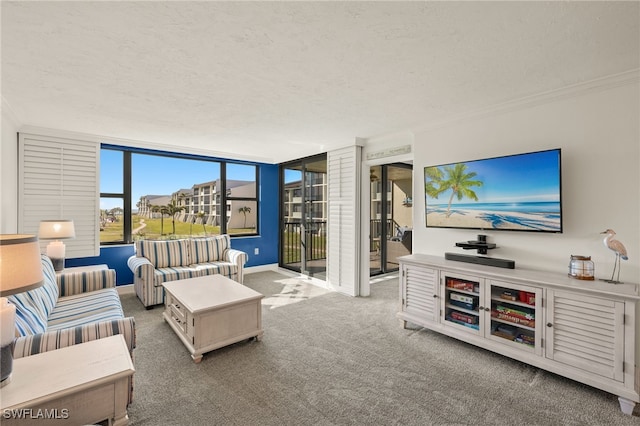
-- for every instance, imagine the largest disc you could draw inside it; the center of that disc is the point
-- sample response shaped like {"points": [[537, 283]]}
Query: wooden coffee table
{"points": [[210, 312]]}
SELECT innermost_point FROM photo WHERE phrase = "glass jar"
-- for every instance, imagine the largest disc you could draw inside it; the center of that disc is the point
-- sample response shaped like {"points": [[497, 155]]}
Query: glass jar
{"points": [[581, 267]]}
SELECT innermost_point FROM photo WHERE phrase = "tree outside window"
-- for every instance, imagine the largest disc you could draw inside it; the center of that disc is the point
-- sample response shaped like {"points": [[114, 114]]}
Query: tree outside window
{"points": [[176, 190]]}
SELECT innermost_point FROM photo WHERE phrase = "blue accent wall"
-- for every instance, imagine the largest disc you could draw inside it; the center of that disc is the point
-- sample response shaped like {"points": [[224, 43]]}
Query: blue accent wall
{"points": [[267, 242], [115, 257]]}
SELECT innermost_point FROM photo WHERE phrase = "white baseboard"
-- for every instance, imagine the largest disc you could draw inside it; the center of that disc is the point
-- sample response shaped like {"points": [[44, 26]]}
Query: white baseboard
{"points": [[261, 268]]}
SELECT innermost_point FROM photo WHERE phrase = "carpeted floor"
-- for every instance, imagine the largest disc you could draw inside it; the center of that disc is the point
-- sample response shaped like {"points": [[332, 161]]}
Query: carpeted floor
{"points": [[329, 359]]}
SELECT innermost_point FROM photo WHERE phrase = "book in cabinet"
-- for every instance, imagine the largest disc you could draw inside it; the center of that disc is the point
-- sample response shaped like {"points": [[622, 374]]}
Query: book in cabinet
{"points": [[499, 311], [585, 331]]}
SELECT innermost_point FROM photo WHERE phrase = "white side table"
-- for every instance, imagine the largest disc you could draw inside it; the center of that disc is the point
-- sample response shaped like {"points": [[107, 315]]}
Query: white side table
{"points": [[80, 384], [88, 268]]}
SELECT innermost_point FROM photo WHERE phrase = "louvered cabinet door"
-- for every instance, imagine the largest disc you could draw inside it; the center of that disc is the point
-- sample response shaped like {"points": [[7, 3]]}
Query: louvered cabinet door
{"points": [[420, 292], [586, 332]]}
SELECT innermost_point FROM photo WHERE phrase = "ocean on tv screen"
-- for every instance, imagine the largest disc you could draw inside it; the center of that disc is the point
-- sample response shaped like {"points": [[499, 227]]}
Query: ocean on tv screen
{"points": [[514, 192], [526, 216]]}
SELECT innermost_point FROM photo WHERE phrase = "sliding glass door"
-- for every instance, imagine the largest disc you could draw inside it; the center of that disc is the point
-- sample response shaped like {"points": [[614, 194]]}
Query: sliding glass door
{"points": [[303, 223], [391, 224]]}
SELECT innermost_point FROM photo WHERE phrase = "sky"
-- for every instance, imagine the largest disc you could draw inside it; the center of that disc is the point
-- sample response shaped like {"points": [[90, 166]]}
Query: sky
{"points": [[291, 175], [518, 178], [159, 175]]}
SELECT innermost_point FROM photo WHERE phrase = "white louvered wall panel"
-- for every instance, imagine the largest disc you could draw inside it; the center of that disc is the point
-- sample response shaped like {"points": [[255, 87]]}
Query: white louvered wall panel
{"points": [[343, 169], [587, 333], [59, 179]]}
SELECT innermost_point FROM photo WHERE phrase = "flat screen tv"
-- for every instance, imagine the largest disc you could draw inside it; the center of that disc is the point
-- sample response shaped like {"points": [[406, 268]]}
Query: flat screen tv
{"points": [[519, 192]]}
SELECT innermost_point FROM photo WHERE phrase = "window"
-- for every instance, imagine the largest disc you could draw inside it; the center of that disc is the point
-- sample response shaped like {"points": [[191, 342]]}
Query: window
{"points": [[151, 195], [111, 220], [241, 199], [112, 196]]}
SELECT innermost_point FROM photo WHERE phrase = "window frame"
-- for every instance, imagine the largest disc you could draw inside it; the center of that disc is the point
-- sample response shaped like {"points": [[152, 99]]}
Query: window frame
{"points": [[227, 197], [126, 195]]}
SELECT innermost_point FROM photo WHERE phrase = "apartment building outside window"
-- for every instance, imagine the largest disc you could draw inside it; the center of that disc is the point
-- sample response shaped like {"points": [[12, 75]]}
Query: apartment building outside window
{"points": [[169, 196]]}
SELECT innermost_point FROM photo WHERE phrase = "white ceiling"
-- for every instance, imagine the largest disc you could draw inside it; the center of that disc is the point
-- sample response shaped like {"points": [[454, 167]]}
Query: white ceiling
{"points": [[274, 81]]}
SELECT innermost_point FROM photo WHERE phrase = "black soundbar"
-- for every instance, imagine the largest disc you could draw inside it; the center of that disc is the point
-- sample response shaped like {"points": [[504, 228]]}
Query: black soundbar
{"points": [[481, 260]]}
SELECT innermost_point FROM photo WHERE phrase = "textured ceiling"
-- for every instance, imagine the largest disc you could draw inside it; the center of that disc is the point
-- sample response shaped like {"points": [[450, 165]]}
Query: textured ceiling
{"points": [[274, 81]]}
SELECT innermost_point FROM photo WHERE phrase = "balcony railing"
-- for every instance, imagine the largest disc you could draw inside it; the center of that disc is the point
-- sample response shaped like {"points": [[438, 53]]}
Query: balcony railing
{"points": [[375, 231], [315, 239]]}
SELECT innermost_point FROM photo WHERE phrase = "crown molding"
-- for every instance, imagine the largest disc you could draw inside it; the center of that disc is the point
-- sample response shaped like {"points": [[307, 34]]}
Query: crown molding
{"points": [[605, 83]]}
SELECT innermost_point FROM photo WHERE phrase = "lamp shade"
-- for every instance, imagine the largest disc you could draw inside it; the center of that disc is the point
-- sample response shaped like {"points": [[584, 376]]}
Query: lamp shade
{"points": [[56, 230], [20, 265]]}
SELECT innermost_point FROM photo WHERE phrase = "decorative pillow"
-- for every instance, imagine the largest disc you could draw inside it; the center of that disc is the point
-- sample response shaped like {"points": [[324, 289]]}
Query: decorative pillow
{"points": [[163, 254], [209, 249], [47, 295], [34, 306], [29, 319]]}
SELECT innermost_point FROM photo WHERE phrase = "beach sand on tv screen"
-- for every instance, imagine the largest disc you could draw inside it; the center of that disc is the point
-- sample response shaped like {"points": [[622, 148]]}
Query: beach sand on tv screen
{"points": [[461, 218]]}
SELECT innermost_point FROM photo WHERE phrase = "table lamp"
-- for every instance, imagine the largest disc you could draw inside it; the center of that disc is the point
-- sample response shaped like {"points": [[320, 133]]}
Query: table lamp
{"points": [[56, 230], [20, 270]]}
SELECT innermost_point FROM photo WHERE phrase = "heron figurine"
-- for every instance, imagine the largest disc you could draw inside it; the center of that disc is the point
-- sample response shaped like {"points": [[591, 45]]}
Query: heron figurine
{"points": [[618, 248]]}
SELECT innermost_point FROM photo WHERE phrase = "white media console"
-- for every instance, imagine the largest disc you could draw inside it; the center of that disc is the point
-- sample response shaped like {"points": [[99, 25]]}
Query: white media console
{"points": [[583, 330]]}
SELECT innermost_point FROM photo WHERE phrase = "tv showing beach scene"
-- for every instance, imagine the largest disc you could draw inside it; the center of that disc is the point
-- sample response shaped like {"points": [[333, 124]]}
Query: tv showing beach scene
{"points": [[519, 192]]}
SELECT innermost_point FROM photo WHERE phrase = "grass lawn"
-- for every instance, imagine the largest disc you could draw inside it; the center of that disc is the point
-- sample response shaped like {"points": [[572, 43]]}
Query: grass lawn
{"points": [[157, 229]]}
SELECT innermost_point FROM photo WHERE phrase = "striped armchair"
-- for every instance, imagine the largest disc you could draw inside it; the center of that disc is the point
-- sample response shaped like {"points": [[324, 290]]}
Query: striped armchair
{"points": [[156, 262], [69, 309]]}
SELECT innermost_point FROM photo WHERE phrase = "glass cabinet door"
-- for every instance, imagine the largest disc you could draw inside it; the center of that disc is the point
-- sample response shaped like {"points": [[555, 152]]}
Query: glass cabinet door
{"points": [[461, 303], [516, 316]]}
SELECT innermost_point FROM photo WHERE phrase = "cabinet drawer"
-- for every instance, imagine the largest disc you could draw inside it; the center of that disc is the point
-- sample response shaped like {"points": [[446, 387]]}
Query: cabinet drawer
{"points": [[175, 308], [177, 312], [181, 323]]}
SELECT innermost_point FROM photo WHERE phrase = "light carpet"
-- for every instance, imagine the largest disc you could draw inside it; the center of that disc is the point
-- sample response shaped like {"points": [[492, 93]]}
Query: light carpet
{"points": [[330, 359]]}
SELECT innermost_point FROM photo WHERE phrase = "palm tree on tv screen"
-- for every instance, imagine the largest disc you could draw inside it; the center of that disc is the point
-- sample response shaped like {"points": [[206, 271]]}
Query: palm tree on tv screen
{"points": [[433, 177], [459, 182]]}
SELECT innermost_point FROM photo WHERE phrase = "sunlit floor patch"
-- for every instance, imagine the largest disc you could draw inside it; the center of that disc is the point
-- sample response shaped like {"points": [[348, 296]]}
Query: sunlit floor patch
{"points": [[293, 290]]}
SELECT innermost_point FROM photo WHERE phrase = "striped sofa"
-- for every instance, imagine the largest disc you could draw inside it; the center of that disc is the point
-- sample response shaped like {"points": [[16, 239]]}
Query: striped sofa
{"points": [[68, 309], [156, 262]]}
